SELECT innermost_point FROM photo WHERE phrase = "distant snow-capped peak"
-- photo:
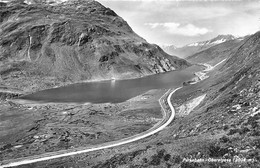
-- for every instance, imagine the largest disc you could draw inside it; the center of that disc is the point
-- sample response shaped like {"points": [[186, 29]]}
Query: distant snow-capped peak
{"points": [[217, 40], [194, 44]]}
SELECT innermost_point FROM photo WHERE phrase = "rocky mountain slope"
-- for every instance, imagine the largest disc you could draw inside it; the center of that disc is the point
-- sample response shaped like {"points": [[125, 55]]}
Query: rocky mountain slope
{"points": [[47, 45], [222, 131], [193, 48], [217, 52]]}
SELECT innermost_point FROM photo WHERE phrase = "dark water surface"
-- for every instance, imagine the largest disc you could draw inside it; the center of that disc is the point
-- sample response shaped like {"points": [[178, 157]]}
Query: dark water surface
{"points": [[112, 91]]}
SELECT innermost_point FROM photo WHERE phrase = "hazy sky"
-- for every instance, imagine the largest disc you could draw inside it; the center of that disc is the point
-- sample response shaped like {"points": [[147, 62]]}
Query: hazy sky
{"points": [[181, 22]]}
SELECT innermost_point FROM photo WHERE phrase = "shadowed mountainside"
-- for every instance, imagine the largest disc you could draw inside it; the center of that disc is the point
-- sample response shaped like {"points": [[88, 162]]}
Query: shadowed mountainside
{"points": [[225, 125], [43, 46]]}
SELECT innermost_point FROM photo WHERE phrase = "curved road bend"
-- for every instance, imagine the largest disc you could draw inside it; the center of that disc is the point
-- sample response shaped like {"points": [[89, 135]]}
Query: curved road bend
{"points": [[168, 116]]}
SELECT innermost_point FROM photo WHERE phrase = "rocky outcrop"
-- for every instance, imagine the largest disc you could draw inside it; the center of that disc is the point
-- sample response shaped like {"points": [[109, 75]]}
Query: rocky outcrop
{"points": [[8, 95], [45, 45], [225, 125]]}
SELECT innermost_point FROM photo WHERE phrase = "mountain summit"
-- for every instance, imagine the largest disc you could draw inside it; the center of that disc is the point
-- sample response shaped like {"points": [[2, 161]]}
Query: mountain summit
{"points": [[217, 40], [196, 47], [44, 45]]}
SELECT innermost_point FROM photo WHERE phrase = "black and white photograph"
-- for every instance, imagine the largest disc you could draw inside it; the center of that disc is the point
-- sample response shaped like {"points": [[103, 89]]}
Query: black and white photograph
{"points": [[129, 84]]}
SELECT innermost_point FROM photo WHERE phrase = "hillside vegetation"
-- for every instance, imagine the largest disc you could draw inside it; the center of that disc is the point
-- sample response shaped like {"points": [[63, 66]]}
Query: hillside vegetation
{"points": [[225, 125], [47, 45]]}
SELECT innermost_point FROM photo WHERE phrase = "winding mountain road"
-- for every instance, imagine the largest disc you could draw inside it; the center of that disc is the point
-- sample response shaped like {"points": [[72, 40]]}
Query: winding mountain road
{"points": [[168, 116]]}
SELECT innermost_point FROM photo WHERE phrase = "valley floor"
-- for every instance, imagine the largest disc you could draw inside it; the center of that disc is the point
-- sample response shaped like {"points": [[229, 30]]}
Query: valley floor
{"points": [[52, 127], [216, 125]]}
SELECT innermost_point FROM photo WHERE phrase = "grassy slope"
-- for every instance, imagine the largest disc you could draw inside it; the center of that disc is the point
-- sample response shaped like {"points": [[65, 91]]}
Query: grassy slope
{"points": [[44, 46], [224, 126], [35, 129], [216, 53]]}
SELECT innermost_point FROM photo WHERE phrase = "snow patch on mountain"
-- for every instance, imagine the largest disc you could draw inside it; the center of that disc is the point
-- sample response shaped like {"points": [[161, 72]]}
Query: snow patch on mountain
{"points": [[193, 44], [217, 40]]}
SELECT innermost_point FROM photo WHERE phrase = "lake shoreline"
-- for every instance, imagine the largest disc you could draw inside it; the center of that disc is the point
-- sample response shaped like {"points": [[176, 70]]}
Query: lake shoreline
{"points": [[116, 90]]}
